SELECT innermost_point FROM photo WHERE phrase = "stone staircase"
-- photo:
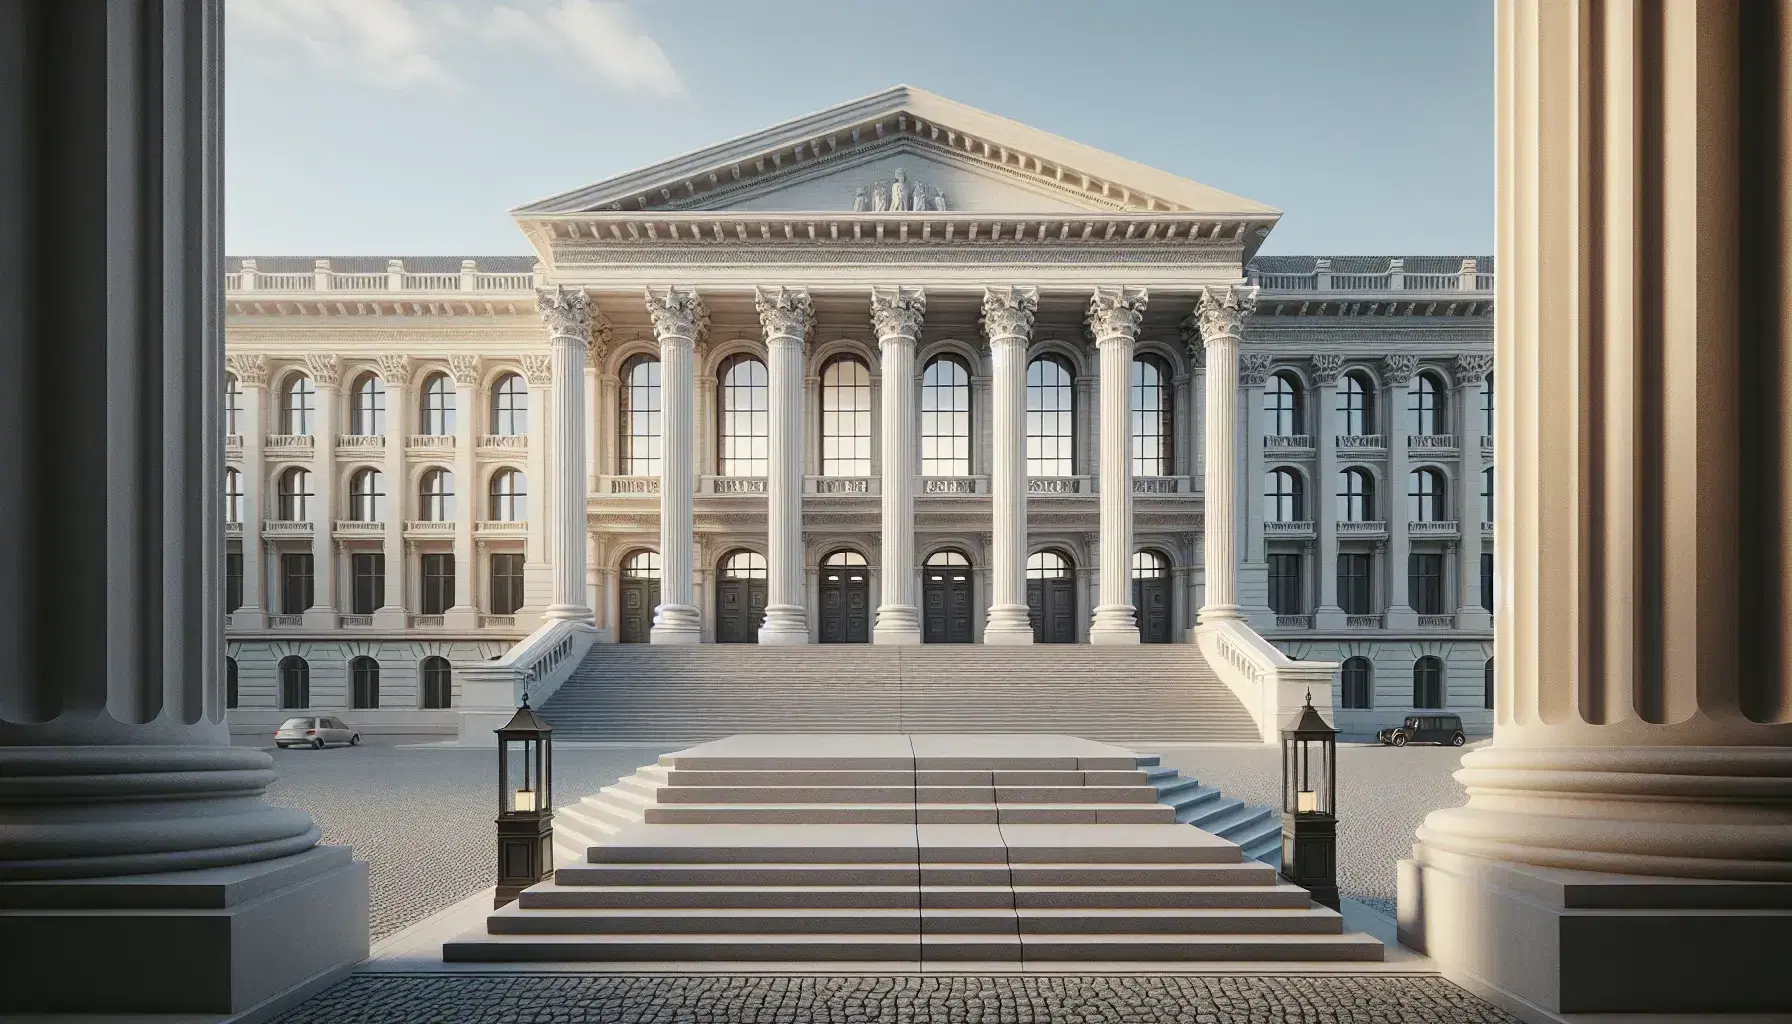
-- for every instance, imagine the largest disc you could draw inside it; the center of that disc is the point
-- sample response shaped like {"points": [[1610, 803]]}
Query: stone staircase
{"points": [[900, 851], [680, 695]]}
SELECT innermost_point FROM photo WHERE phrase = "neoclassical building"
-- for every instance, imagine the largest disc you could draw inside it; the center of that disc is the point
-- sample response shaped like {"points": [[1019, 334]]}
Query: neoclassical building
{"points": [[900, 371]]}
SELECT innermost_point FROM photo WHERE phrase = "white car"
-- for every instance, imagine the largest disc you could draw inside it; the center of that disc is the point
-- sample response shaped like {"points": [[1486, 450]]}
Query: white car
{"points": [[314, 732]]}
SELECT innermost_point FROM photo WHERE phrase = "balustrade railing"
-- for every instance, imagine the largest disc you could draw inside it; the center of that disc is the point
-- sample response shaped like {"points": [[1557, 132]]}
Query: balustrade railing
{"points": [[286, 621], [953, 484], [434, 442], [1431, 442], [356, 621], [497, 621], [734, 485], [429, 527], [502, 526], [536, 666], [1059, 484], [360, 441], [428, 621], [1431, 528], [1287, 527], [512, 441], [289, 442], [285, 528], [394, 279], [1358, 442], [842, 485], [1396, 278], [1294, 622], [1271, 685], [1362, 621], [233, 529], [359, 527], [1281, 442], [629, 485], [1357, 528], [1487, 440], [1436, 621], [1157, 484]]}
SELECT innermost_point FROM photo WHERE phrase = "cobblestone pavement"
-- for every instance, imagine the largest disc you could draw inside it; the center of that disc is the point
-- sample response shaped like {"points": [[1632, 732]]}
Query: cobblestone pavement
{"points": [[521, 999]]}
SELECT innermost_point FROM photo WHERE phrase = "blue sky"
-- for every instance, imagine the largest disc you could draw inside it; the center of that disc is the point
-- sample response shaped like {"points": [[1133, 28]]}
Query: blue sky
{"points": [[409, 127]]}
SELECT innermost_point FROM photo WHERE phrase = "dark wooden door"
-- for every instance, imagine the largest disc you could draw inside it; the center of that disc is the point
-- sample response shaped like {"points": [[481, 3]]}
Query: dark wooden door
{"points": [[639, 600], [946, 604], [845, 604], [1051, 606], [740, 609], [1151, 601]]}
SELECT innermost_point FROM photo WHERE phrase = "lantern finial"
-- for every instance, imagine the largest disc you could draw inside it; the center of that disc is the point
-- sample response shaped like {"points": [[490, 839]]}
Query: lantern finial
{"points": [[1309, 698], [526, 697]]}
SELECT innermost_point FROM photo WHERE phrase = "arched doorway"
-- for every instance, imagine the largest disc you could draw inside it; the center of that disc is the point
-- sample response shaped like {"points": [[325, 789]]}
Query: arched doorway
{"points": [[946, 598], [1151, 596], [845, 599], [640, 597], [740, 597], [1051, 597]]}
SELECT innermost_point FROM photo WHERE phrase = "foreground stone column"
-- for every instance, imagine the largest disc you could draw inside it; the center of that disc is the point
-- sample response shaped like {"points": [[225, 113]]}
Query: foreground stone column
{"points": [[785, 315], [896, 316], [1114, 318], [115, 756], [1626, 846], [678, 317], [567, 316], [1008, 320], [1220, 315]]}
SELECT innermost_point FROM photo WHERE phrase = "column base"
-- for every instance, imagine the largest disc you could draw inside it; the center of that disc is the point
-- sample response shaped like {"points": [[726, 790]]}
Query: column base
{"points": [[676, 624], [1114, 624], [248, 939], [1549, 944], [1473, 617], [461, 616], [786, 625], [391, 618], [573, 612], [320, 618], [897, 624], [1328, 617], [1401, 616], [1007, 626], [1218, 613]]}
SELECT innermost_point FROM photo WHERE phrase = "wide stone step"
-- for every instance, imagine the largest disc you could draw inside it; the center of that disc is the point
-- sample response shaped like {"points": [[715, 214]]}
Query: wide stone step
{"points": [[711, 898], [820, 813], [1263, 896]]}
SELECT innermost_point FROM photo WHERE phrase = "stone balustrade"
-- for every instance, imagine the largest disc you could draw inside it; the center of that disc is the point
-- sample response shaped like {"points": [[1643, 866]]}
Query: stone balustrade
{"points": [[249, 279]]}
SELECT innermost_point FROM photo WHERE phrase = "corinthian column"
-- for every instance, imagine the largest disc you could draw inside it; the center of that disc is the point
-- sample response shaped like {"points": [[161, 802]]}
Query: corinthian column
{"points": [[678, 318], [395, 370], [1641, 765], [1220, 315], [466, 368], [567, 315], [116, 766], [252, 376], [326, 373], [1398, 371], [896, 316], [785, 315], [1322, 506], [1008, 320], [1471, 373], [1114, 318]]}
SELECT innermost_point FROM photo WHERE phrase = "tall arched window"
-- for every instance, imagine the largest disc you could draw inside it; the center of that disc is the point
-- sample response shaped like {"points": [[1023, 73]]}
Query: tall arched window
{"points": [[638, 418], [1152, 417], [438, 683], [438, 405], [295, 683], [744, 565], [1047, 565], [233, 405], [509, 497], [642, 565], [845, 556], [1487, 495], [1283, 501], [1281, 405], [1425, 496], [367, 496], [1149, 565], [300, 409], [435, 493], [368, 415], [1425, 406], [231, 694], [510, 406], [1428, 683], [745, 420], [1356, 496], [845, 418], [947, 556], [1486, 407], [945, 418], [1051, 425], [364, 675], [294, 496], [1356, 412], [1357, 693], [233, 496], [1487, 685]]}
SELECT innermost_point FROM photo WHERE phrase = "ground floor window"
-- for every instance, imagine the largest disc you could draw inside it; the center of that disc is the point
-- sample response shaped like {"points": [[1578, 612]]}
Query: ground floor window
{"points": [[1487, 580], [1284, 584], [295, 682], [438, 584], [230, 685], [438, 683], [1356, 694], [1353, 585], [507, 583], [369, 571], [296, 593], [1425, 583], [1428, 683], [364, 675], [1487, 686], [233, 581]]}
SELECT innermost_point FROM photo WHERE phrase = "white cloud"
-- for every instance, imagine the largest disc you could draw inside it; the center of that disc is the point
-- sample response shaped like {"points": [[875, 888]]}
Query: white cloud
{"points": [[383, 42], [602, 35]]}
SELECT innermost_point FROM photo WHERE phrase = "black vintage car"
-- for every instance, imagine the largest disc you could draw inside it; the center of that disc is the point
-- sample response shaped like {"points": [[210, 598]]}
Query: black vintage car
{"points": [[1440, 729]]}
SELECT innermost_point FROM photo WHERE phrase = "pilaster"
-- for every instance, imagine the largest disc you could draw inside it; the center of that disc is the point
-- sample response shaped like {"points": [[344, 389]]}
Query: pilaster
{"points": [[678, 318], [896, 316], [1253, 372], [470, 501], [1114, 318], [251, 372], [785, 315], [326, 374], [395, 371], [1322, 505], [1008, 322], [1397, 371], [1471, 377]]}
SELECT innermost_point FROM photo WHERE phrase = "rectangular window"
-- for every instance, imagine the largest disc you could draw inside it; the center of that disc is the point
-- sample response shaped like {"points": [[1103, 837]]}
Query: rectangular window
{"points": [[233, 581], [296, 594], [1353, 585], [1284, 584], [1425, 583], [369, 571], [1487, 580], [507, 583], [438, 584]]}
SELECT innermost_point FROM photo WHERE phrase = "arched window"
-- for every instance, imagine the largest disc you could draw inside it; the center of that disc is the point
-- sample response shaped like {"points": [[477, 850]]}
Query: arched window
{"points": [[745, 421], [438, 683], [1487, 495], [1355, 405], [435, 494], [642, 565], [947, 556], [945, 418], [438, 405], [367, 496], [364, 676], [1428, 683], [1425, 406], [509, 497], [845, 556], [1149, 565], [1152, 419], [1283, 500], [1051, 427], [1047, 565], [510, 406], [1425, 496], [301, 406], [1356, 496], [233, 405], [845, 418], [1486, 407], [233, 496], [230, 682], [1357, 694], [743, 565], [295, 496], [1281, 405], [368, 415], [295, 683], [1487, 685], [638, 418]]}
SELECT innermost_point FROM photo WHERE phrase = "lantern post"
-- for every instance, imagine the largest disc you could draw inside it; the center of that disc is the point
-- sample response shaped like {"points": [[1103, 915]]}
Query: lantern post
{"points": [[1310, 804], [525, 803]]}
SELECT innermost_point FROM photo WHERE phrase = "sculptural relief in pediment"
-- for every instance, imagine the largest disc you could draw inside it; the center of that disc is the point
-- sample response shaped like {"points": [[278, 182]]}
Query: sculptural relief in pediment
{"points": [[901, 178]]}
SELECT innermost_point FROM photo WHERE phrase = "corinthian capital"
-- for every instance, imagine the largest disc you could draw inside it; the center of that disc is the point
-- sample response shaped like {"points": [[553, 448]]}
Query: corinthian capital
{"points": [[1116, 313], [1399, 369], [538, 368], [395, 369], [784, 312], [1253, 369], [678, 313], [251, 369], [1220, 313], [567, 314], [1326, 366], [465, 369], [897, 312], [1473, 368], [325, 367], [1008, 312], [599, 342]]}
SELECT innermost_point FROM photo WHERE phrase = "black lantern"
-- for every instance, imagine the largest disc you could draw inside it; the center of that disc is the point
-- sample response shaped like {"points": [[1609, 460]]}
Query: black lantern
{"points": [[525, 809], [1310, 805]]}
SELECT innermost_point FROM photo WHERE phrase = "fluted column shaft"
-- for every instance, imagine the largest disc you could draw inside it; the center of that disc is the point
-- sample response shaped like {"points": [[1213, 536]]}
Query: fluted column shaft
{"points": [[896, 316], [470, 493], [1470, 375], [326, 373], [785, 315], [1322, 502], [1114, 318], [395, 370], [1008, 321], [568, 317], [1395, 506], [678, 317], [1220, 315]]}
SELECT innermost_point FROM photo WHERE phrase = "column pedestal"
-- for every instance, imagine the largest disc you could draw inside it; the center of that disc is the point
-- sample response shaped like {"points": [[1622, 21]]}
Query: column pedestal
{"points": [[896, 316], [678, 317], [1008, 320]]}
